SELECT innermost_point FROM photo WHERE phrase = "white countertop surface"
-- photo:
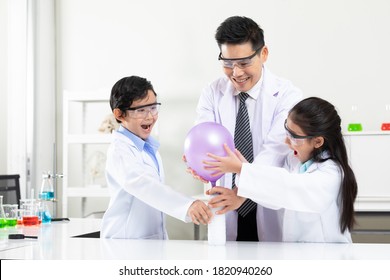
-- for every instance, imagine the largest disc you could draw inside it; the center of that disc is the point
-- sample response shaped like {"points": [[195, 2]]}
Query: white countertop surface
{"points": [[56, 242]]}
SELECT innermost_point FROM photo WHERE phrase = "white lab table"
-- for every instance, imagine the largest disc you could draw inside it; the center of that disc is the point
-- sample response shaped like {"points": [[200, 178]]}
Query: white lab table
{"points": [[56, 242]]}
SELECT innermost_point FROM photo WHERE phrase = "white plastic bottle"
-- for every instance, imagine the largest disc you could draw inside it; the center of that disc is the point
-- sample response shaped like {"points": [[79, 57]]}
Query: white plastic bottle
{"points": [[216, 230]]}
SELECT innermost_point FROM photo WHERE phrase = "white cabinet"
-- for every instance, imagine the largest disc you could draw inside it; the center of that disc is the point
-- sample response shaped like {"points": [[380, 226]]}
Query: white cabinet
{"points": [[84, 146], [369, 154]]}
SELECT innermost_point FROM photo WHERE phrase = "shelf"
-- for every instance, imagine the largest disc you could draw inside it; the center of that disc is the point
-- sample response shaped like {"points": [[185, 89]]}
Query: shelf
{"points": [[372, 203], [373, 132], [81, 117], [88, 138]]}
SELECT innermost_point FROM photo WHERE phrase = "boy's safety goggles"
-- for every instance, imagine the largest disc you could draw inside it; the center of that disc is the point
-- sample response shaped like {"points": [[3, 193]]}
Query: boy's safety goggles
{"points": [[143, 111]]}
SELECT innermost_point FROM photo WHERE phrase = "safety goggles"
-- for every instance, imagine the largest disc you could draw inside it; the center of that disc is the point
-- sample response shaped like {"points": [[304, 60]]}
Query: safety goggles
{"points": [[296, 140], [241, 63], [141, 112]]}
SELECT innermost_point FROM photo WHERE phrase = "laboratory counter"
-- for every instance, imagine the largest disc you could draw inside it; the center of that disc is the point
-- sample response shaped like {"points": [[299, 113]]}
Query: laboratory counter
{"points": [[60, 241]]}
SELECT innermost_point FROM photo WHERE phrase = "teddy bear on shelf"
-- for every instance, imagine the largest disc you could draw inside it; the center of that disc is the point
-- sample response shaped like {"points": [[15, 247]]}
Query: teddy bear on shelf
{"points": [[95, 165], [109, 124]]}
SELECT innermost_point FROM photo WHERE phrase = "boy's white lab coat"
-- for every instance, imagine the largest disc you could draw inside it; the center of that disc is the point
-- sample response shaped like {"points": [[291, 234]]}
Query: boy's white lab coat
{"points": [[139, 198], [276, 97], [310, 199]]}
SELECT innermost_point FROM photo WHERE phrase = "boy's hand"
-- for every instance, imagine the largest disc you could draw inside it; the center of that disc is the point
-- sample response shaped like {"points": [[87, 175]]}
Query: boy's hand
{"points": [[200, 213], [193, 173]]}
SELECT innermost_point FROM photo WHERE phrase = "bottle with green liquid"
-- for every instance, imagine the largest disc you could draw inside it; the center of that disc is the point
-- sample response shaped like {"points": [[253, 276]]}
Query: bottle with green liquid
{"points": [[355, 125], [3, 221], [11, 214]]}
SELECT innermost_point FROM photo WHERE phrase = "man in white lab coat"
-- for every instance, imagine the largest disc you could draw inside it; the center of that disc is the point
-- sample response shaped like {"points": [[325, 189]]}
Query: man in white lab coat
{"points": [[243, 53]]}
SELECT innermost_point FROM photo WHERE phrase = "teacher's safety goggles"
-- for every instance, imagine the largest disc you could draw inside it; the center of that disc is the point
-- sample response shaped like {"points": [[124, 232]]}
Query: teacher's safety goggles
{"points": [[241, 63]]}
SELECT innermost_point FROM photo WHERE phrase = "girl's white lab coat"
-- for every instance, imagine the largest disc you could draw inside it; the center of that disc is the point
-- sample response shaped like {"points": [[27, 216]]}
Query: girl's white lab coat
{"points": [[310, 199], [139, 198], [275, 97]]}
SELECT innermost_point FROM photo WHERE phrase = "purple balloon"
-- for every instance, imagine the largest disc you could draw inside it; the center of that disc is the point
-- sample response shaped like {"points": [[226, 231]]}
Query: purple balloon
{"points": [[207, 137]]}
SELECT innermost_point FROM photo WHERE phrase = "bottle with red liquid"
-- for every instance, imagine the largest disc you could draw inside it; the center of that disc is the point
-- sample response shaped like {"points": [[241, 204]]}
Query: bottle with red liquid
{"points": [[386, 124], [30, 212]]}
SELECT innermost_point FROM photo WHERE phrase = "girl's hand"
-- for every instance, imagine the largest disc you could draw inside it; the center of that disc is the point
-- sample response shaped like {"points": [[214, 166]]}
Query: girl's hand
{"points": [[226, 198], [232, 163]]}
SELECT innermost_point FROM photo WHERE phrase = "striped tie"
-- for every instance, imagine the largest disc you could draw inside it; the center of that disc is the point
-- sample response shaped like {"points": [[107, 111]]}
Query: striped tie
{"points": [[247, 224]]}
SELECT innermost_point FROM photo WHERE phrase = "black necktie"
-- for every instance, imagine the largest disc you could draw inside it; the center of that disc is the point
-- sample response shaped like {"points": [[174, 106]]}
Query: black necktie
{"points": [[247, 224]]}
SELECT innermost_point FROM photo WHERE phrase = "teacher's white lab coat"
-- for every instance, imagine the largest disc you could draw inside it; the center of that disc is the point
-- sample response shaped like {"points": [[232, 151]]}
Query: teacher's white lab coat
{"points": [[139, 198], [310, 199], [276, 97]]}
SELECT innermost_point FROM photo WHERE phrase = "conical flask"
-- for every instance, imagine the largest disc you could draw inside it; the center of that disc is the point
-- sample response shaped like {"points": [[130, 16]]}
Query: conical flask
{"points": [[47, 191]]}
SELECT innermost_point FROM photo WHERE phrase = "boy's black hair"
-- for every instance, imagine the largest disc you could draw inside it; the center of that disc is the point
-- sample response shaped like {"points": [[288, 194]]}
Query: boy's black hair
{"points": [[127, 90]]}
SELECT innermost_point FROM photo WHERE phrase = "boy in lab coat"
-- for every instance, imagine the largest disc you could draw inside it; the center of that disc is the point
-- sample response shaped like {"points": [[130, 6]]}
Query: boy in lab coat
{"points": [[134, 170]]}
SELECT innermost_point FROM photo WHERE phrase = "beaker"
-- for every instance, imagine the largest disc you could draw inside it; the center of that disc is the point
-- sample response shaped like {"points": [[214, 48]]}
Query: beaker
{"points": [[30, 209], [10, 211], [3, 222], [44, 212]]}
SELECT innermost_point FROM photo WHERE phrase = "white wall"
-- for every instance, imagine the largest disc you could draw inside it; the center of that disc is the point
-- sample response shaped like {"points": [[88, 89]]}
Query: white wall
{"points": [[3, 86], [334, 49]]}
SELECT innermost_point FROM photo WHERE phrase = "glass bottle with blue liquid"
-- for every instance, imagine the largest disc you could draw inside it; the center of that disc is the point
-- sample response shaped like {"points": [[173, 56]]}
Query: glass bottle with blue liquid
{"points": [[46, 196], [47, 191]]}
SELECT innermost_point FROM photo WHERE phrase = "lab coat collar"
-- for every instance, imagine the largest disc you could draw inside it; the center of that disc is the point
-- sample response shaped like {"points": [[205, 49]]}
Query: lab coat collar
{"points": [[269, 98], [310, 165], [138, 142], [305, 166]]}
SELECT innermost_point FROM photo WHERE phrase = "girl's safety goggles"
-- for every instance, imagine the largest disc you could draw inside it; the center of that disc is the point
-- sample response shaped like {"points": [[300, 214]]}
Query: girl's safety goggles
{"points": [[296, 140]]}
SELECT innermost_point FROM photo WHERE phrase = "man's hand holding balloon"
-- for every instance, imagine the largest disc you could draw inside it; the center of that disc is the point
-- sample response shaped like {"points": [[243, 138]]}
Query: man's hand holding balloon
{"points": [[226, 198]]}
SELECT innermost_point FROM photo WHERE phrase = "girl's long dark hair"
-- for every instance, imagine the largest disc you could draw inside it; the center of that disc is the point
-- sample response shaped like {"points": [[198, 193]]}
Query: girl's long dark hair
{"points": [[318, 117]]}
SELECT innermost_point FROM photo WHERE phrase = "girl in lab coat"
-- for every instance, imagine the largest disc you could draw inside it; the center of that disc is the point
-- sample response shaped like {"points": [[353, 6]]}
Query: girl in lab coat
{"points": [[317, 188], [134, 171]]}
